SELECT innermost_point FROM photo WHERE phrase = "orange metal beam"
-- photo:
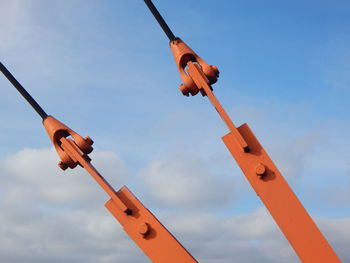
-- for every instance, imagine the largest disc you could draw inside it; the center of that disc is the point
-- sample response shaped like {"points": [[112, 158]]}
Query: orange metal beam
{"points": [[269, 184], [138, 222], [284, 206], [147, 232]]}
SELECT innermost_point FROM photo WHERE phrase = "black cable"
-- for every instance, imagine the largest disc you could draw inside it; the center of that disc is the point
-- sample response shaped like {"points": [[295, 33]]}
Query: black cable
{"points": [[160, 20], [24, 93]]}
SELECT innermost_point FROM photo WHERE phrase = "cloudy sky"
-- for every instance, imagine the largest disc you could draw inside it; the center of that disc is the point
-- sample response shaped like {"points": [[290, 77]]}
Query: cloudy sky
{"points": [[105, 69]]}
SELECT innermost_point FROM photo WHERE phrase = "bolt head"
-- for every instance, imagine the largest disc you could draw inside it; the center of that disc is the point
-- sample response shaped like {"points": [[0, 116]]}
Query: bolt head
{"points": [[260, 170], [89, 140], [143, 229], [62, 165], [183, 89], [215, 69]]}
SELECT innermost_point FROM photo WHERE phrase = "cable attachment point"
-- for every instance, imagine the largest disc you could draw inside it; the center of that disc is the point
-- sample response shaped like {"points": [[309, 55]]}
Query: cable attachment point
{"points": [[184, 54], [56, 131]]}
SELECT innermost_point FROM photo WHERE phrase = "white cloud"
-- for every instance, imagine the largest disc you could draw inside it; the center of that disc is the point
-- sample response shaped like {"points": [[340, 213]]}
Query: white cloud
{"points": [[56, 216], [252, 237], [292, 156], [49, 215], [186, 182], [32, 173], [53, 216]]}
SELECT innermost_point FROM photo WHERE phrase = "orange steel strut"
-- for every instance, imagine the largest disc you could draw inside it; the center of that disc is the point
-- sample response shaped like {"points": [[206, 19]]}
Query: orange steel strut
{"points": [[138, 222], [269, 184]]}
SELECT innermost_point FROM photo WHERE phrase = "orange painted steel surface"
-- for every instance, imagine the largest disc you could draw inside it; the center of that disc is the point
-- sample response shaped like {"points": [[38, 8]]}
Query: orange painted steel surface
{"points": [[139, 223], [147, 232], [290, 215], [202, 83], [183, 54]]}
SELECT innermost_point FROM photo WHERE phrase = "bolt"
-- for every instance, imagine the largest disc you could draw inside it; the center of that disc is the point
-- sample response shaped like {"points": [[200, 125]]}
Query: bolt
{"points": [[184, 90], [215, 69], [143, 229], [260, 170], [62, 165], [89, 140]]}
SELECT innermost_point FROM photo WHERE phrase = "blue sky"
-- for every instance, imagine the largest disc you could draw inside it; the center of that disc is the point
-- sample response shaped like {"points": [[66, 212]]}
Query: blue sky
{"points": [[105, 69]]}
